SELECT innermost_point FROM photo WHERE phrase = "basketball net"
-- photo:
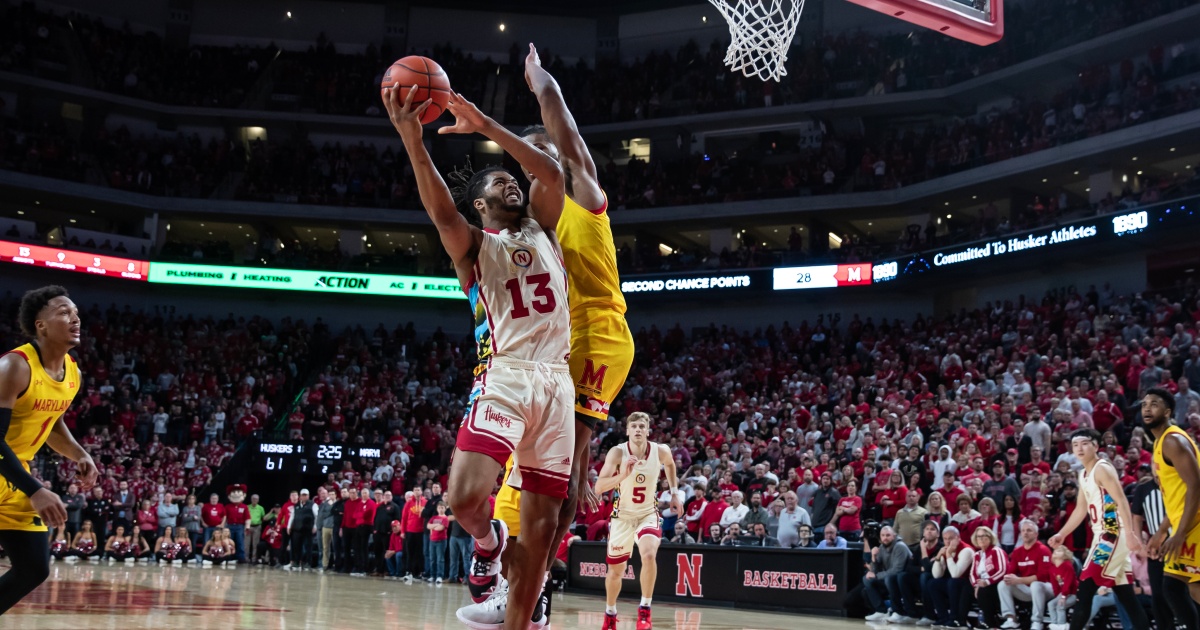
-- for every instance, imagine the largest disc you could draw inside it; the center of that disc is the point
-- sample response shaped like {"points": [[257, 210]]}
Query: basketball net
{"points": [[761, 33]]}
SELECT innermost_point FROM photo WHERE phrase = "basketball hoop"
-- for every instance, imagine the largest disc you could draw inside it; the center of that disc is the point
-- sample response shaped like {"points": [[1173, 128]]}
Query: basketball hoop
{"points": [[761, 32]]}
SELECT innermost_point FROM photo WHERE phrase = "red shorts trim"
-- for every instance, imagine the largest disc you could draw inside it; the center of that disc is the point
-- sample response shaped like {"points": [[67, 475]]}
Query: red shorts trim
{"points": [[473, 440], [649, 531], [544, 482], [617, 560]]}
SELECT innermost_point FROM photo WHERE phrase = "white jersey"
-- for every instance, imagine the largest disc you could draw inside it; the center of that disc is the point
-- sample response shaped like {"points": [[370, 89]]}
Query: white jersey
{"points": [[1102, 509], [637, 495], [518, 294]]}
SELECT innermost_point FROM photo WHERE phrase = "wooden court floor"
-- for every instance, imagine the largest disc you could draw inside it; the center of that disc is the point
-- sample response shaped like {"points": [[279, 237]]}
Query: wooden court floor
{"points": [[121, 597]]}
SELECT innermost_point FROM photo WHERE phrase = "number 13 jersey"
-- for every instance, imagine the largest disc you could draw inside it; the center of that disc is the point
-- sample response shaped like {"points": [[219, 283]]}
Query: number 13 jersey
{"points": [[519, 297]]}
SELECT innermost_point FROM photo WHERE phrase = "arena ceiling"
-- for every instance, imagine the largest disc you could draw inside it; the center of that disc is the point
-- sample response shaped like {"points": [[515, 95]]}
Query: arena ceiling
{"points": [[572, 8]]}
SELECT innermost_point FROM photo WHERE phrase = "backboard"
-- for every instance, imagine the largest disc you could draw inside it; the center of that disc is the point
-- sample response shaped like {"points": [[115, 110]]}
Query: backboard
{"points": [[976, 21]]}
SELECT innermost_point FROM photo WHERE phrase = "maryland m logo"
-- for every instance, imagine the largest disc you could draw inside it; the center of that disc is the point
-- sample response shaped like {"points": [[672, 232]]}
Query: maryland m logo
{"points": [[593, 378]]}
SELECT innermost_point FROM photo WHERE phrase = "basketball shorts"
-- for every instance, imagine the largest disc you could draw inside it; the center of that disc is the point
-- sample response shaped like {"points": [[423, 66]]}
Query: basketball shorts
{"points": [[1187, 563], [523, 409], [601, 355], [624, 531], [17, 513], [1108, 562]]}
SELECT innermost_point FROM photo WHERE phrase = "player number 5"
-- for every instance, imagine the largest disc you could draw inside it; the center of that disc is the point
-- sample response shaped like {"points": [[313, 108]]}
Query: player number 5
{"points": [[639, 495]]}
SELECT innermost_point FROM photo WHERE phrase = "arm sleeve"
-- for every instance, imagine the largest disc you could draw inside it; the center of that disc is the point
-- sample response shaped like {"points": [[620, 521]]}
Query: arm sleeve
{"points": [[10, 467]]}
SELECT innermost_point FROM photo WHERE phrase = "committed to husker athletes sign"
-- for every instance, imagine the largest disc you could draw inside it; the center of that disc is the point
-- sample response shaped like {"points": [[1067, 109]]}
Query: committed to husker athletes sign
{"points": [[801, 580]]}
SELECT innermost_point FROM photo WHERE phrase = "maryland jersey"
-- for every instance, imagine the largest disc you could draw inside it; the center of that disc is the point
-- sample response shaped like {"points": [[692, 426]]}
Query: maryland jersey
{"points": [[518, 294], [40, 405], [591, 257], [637, 495], [1174, 492], [34, 414]]}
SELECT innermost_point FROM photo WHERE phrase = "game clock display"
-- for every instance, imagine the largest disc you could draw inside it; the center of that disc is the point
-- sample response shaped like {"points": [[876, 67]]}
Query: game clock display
{"points": [[296, 457]]}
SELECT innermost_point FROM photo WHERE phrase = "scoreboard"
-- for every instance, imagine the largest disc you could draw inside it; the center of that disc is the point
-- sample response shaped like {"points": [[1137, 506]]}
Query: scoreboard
{"points": [[309, 458]]}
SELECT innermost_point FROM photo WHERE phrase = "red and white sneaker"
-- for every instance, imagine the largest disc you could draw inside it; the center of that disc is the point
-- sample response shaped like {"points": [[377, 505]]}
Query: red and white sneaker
{"points": [[644, 622], [485, 569], [610, 621]]}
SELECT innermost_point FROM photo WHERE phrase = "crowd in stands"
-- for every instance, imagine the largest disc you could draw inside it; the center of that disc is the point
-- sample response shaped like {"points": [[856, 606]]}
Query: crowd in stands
{"points": [[145, 66], [166, 399], [690, 80], [934, 434]]}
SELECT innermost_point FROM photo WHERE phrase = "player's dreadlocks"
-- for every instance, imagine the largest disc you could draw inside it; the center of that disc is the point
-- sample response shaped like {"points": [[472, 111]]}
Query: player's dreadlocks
{"points": [[466, 185]]}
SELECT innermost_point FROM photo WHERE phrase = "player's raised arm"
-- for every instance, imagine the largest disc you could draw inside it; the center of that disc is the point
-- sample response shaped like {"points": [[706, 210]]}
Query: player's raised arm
{"points": [[460, 238], [548, 190], [560, 126]]}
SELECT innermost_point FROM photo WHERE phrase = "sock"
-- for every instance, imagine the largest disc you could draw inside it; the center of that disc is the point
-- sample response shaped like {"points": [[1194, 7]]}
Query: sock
{"points": [[489, 542], [610, 610], [646, 601]]}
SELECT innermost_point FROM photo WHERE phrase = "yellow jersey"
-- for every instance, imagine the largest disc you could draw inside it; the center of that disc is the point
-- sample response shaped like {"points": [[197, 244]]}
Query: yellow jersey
{"points": [[40, 405], [1173, 489], [591, 259]]}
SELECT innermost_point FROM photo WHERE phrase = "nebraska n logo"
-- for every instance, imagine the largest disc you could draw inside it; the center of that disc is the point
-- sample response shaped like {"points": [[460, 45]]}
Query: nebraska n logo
{"points": [[689, 583], [592, 377]]}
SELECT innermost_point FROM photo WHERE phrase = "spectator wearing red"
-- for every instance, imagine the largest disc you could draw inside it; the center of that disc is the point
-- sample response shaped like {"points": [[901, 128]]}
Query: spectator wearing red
{"points": [[246, 425], [713, 511], [1027, 580], [847, 516], [352, 518], [1035, 462], [694, 511], [891, 499], [1065, 583], [212, 515], [988, 569], [414, 534], [362, 533], [394, 556]]}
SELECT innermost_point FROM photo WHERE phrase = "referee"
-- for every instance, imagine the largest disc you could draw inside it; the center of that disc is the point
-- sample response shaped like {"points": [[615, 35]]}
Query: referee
{"points": [[1172, 601]]}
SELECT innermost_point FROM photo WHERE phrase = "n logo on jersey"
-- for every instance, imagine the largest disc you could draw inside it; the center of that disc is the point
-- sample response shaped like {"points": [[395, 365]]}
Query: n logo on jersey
{"points": [[593, 378], [521, 258], [689, 575]]}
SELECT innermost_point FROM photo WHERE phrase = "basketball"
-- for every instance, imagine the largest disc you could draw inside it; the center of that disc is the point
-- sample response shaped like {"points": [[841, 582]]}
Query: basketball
{"points": [[427, 75]]}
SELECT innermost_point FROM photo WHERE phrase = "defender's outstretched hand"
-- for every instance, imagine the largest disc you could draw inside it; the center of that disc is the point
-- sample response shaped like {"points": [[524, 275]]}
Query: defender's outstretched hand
{"points": [[531, 60], [467, 117]]}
